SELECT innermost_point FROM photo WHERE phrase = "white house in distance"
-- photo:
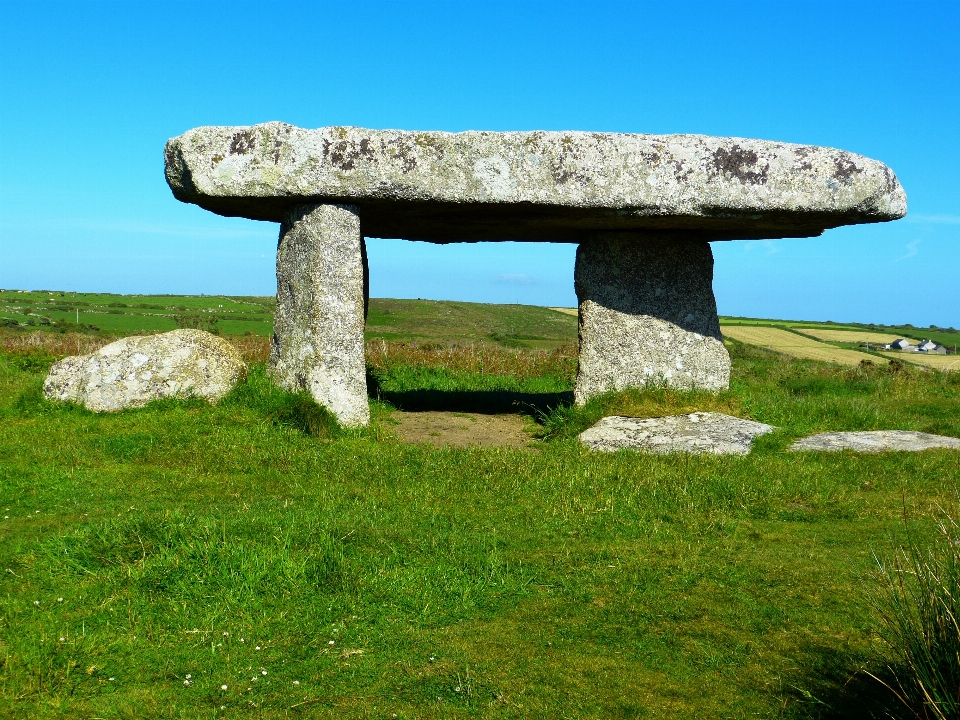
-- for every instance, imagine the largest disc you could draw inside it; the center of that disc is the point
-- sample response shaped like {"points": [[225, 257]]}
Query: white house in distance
{"points": [[901, 344], [929, 346]]}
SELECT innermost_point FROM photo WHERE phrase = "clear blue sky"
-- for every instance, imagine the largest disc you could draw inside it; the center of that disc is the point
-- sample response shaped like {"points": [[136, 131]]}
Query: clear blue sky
{"points": [[90, 91]]}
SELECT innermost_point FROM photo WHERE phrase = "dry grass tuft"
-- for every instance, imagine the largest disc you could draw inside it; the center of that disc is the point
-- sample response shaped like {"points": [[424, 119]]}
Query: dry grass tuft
{"points": [[255, 349], [944, 363], [381, 354], [57, 344]]}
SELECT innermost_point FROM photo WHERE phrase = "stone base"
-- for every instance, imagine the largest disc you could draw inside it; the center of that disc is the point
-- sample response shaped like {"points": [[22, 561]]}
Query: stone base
{"points": [[700, 432], [318, 327], [647, 315], [874, 441]]}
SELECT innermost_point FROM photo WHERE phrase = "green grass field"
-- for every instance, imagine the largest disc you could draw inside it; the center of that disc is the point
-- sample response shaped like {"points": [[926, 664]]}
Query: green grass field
{"points": [[415, 320], [242, 560], [424, 320]]}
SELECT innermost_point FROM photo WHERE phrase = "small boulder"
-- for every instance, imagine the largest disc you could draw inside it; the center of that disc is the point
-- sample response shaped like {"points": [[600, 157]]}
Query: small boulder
{"points": [[699, 432], [876, 441], [136, 370]]}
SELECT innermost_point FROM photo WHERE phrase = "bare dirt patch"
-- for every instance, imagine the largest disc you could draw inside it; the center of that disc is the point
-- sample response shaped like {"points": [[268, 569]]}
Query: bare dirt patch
{"points": [[457, 429]]}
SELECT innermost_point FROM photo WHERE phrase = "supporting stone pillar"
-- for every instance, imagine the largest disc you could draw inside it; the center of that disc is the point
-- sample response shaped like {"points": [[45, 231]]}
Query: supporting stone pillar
{"points": [[647, 314], [318, 327]]}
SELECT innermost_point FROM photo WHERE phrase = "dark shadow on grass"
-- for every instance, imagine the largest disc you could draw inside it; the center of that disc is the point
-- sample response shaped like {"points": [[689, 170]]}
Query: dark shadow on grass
{"points": [[484, 402], [834, 686]]}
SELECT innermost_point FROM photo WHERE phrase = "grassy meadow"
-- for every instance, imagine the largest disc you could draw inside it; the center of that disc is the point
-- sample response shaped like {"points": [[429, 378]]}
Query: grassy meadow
{"points": [[251, 559]]}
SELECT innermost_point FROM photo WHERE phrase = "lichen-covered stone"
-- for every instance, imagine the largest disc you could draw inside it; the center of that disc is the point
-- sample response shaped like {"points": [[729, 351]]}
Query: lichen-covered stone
{"points": [[550, 186], [135, 370], [318, 326], [647, 315], [700, 432], [876, 441]]}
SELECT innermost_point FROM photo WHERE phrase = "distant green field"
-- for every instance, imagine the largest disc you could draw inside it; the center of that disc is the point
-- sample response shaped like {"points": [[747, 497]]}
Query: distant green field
{"points": [[443, 321], [128, 314], [513, 326], [516, 326]]}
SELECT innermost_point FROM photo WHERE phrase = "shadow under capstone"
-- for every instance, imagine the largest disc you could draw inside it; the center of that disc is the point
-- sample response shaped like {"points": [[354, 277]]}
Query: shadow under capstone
{"points": [[483, 402]]}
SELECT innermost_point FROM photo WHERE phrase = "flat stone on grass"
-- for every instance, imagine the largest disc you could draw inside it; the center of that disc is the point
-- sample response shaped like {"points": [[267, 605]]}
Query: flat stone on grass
{"points": [[699, 432], [876, 441]]}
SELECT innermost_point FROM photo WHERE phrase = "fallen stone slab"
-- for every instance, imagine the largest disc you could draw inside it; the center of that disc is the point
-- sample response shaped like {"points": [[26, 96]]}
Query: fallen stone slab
{"points": [[136, 370], [875, 441], [699, 432], [550, 186]]}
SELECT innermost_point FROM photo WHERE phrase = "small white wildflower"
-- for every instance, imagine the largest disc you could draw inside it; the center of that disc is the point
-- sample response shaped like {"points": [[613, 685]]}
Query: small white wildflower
{"points": [[263, 672], [186, 682], [223, 687], [226, 634], [242, 640], [257, 648], [111, 679], [6, 517], [59, 599], [62, 639], [332, 642], [296, 682], [189, 676], [36, 602]]}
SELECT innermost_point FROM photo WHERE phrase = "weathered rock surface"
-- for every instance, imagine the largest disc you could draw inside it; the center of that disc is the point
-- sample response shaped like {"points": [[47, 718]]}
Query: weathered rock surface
{"points": [[700, 432], [647, 315], [135, 370], [876, 441], [553, 186], [318, 326]]}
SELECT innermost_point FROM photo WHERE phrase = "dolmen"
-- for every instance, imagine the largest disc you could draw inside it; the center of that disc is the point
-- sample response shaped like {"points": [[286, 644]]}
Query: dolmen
{"points": [[643, 210]]}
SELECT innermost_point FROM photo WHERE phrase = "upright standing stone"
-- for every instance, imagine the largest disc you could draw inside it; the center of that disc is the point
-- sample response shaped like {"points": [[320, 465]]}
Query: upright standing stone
{"points": [[647, 314], [318, 327]]}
